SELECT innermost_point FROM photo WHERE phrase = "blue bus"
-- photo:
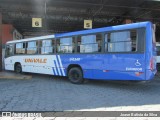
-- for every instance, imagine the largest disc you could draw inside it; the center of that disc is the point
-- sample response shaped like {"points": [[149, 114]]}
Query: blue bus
{"points": [[123, 52]]}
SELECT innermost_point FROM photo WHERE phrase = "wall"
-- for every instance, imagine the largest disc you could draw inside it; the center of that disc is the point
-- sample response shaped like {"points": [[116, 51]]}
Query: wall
{"points": [[16, 35], [7, 33]]}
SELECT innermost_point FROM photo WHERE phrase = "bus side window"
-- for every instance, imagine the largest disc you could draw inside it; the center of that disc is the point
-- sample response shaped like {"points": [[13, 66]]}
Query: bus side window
{"points": [[106, 40], [66, 45], [99, 41], [73, 44], [89, 43], [122, 41], [32, 47], [79, 43], [140, 39], [47, 46], [40, 47], [57, 45], [9, 50], [53, 46], [20, 48], [7, 53]]}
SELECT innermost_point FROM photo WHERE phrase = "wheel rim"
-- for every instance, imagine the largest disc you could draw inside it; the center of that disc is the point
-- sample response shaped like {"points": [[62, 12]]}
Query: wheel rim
{"points": [[18, 69], [75, 75]]}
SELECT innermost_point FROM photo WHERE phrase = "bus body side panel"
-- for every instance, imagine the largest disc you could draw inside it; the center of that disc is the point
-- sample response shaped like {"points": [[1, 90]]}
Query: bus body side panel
{"points": [[94, 66], [87, 62], [100, 66], [124, 66], [9, 65], [44, 64], [118, 75], [108, 66]]}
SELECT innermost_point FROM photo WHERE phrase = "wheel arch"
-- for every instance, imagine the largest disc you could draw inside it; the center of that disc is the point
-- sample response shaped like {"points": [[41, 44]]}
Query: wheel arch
{"points": [[73, 65]]}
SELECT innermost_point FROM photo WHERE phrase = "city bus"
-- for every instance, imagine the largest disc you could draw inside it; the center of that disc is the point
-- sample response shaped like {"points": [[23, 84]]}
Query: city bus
{"points": [[122, 52]]}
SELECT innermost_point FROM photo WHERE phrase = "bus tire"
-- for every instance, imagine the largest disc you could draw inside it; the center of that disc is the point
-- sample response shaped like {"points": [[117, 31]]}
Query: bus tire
{"points": [[18, 68], [75, 75]]}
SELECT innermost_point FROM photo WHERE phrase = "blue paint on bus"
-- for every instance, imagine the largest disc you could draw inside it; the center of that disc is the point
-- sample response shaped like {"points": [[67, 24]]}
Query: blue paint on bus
{"points": [[115, 66]]}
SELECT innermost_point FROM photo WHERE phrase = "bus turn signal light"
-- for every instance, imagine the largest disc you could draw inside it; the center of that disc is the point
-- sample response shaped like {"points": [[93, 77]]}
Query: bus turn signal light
{"points": [[138, 73]]}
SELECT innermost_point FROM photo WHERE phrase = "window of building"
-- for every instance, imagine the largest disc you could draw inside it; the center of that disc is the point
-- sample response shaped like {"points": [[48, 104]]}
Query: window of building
{"points": [[32, 47], [47, 46], [89, 43], [66, 45], [20, 48]]}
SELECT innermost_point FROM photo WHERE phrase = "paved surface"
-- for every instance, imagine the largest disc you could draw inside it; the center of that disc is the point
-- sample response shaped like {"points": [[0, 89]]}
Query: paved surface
{"points": [[12, 75], [48, 93]]}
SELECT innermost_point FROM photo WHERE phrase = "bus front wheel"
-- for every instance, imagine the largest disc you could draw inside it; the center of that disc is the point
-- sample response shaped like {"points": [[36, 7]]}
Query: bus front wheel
{"points": [[75, 75], [18, 68]]}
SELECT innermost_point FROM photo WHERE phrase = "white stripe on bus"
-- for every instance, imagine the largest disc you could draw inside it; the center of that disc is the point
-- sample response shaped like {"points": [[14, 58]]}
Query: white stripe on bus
{"points": [[59, 72], [60, 62], [55, 71]]}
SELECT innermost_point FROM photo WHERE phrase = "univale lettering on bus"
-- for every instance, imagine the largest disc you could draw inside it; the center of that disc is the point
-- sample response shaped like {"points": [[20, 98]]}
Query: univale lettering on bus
{"points": [[35, 60]]}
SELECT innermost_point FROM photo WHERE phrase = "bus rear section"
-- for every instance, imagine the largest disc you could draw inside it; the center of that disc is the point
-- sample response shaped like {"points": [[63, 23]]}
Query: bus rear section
{"points": [[130, 54], [151, 53]]}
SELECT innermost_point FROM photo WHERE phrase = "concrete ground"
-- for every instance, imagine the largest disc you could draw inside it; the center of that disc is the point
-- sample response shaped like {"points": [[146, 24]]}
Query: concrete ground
{"points": [[49, 93], [13, 75]]}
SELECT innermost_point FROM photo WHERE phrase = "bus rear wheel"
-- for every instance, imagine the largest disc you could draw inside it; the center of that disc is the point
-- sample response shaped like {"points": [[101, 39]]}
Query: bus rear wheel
{"points": [[18, 68], [75, 75]]}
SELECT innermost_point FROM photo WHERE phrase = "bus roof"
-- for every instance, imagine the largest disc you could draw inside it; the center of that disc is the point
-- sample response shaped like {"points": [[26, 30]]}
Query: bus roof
{"points": [[32, 39], [105, 29], [84, 32]]}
